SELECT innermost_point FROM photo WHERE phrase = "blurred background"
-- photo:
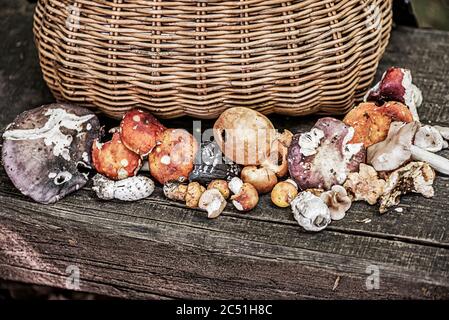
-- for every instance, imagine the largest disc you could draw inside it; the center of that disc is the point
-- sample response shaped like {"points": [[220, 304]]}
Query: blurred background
{"points": [[422, 13]]}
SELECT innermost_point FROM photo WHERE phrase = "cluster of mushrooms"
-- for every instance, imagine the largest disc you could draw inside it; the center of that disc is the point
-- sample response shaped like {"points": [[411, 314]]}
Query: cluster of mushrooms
{"points": [[379, 152]]}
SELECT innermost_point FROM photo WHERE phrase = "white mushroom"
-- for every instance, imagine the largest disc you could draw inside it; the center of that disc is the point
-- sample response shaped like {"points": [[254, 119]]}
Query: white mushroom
{"points": [[213, 202], [365, 185], [398, 148], [338, 202], [310, 212], [130, 189], [429, 139], [444, 131], [416, 177]]}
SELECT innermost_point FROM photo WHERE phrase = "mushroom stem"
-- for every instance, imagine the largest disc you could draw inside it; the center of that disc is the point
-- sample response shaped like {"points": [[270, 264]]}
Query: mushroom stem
{"points": [[437, 162]]}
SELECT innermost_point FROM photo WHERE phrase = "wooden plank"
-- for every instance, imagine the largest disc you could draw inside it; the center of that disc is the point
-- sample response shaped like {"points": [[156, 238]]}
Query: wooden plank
{"points": [[146, 250]]}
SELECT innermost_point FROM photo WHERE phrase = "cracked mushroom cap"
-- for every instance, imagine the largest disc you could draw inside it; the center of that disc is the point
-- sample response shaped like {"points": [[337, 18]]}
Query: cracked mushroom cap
{"points": [[46, 151], [174, 158], [140, 131], [323, 157]]}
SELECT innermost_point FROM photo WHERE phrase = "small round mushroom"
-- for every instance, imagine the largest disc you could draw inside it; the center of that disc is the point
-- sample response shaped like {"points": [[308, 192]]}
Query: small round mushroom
{"points": [[129, 189], [371, 123], [46, 151], [115, 161], [244, 135], [323, 157], [193, 195], [245, 196], [310, 212], [338, 202], [175, 191], [213, 202], [262, 179], [140, 131], [284, 193], [173, 159], [222, 186]]}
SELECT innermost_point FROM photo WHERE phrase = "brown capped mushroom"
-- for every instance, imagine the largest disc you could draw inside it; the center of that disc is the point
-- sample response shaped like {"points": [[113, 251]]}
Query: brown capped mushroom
{"points": [[284, 192], [276, 160], [262, 179], [140, 131], [193, 195], [245, 196], [173, 159], [222, 186], [175, 191], [244, 135], [115, 161], [324, 156]]}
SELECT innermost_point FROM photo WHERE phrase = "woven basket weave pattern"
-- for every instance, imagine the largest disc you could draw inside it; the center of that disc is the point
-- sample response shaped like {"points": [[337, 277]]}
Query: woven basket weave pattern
{"points": [[198, 58]]}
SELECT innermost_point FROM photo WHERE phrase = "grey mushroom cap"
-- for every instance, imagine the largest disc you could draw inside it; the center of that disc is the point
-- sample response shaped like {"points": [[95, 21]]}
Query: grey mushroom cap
{"points": [[47, 151]]}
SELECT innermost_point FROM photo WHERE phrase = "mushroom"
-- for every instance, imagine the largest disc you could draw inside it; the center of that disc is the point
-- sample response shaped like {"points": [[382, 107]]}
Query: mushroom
{"points": [[173, 159], [430, 139], [365, 185], [193, 195], [115, 161], [310, 212], [398, 148], [222, 186], [338, 202], [396, 85], [46, 151], [210, 164], [417, 177], [444, 131], [175, 191], [371, 123], [129, 189], [140, 131], [284, 192], [213, 202], [245, 196], [276, 160], [262, 179], [244, 135], [324, 156]]}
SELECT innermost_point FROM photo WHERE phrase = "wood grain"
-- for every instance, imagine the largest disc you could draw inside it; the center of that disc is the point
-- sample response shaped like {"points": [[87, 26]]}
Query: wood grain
{"points": [[159, 249]]}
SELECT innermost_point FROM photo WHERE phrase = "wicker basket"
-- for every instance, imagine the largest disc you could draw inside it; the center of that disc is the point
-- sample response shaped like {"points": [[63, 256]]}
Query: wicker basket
{"points": [[198, 58]]}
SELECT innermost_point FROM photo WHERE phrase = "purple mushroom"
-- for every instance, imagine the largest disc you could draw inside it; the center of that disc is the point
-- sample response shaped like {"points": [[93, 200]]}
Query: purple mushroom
{"points": [[324, 156], [47, 151]]}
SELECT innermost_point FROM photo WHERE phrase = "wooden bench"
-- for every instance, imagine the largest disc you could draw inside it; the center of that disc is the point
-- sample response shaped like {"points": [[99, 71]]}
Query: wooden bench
{"points": [[160, 249]]}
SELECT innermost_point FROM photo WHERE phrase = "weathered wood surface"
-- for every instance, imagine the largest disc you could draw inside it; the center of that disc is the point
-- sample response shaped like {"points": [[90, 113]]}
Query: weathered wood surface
{"points": [[160, 249]]}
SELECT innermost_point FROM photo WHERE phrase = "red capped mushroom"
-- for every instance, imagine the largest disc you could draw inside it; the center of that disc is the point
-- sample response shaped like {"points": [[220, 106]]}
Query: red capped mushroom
{"points": [[140, 131], [173, 159], [324, 157], [115, 161]]}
